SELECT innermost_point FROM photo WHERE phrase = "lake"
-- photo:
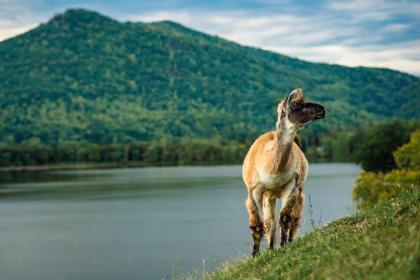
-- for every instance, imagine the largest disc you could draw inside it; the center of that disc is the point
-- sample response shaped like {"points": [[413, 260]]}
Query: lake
{"points": [[141, 223]]}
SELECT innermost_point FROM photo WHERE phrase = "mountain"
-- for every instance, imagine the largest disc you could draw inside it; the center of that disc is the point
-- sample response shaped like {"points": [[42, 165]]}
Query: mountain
{"points": [[85, 77]]}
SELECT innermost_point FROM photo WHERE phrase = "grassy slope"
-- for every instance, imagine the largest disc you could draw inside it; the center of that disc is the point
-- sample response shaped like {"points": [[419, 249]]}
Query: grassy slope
{"points": [[382, 243]]}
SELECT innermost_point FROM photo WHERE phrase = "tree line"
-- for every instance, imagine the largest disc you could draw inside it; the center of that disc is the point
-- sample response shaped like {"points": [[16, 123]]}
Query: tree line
{"points": [[370, 146], [158, 152]]}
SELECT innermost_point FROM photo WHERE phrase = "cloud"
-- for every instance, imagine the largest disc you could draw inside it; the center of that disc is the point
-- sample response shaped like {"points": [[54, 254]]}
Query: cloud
{"points": [[9, 30], [355, 5], [396, 27], [405, 56], [375, 10], [245, 28], [17, 17]]}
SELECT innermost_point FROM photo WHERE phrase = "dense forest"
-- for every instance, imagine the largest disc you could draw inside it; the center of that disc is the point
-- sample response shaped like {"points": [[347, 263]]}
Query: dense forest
{"points": [[84, 87]]}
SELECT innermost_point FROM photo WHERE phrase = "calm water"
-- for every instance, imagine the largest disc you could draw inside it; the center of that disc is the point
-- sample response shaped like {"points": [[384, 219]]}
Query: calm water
{"points": [[149, 223]]}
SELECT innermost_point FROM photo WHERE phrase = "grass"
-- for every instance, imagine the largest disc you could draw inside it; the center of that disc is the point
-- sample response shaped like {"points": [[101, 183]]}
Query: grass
{"points": [[379, 243]]}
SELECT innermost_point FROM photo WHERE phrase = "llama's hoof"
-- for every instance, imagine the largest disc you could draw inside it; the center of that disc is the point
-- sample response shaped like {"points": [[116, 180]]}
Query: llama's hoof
{"points": [[255, 250], [255, 253]]}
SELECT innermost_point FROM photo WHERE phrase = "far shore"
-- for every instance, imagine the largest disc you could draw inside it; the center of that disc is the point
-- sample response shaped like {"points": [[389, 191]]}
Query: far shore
{"points": [[106, 165], [96, 165], [71, 166]]}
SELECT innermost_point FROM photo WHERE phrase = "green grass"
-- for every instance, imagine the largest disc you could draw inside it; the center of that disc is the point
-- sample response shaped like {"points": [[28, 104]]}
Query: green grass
{"points": [[380, 243]]}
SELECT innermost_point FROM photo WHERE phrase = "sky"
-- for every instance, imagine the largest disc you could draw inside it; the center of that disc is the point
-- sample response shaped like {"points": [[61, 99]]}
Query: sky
{"points": [[375, 33]]}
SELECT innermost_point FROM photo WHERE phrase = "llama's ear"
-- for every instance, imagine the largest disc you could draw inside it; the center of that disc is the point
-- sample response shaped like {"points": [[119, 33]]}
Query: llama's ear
{"points": [[280, 106], [295, 95]]}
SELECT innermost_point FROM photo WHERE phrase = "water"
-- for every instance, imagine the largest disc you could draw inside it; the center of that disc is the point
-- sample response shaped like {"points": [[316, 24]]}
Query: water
{"points": [[149, 223]]}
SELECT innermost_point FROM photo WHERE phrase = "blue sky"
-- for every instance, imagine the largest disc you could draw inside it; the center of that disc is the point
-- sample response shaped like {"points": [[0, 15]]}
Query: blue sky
{"points": [[357, 32]]}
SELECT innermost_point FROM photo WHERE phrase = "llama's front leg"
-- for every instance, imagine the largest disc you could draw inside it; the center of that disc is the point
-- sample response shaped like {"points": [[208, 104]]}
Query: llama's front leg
{"points": [[284, 226], [290, 215], [297, 208], [296, 216], [269, 209], [252, 204]]}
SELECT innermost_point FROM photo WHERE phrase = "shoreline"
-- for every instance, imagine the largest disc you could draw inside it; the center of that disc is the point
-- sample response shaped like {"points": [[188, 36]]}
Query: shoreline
{"points": [[71, 166], [105, 165], [109, 165]]}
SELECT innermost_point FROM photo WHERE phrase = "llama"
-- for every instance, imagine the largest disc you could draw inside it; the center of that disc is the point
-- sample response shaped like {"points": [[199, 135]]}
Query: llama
{"points": [[275, 167]]}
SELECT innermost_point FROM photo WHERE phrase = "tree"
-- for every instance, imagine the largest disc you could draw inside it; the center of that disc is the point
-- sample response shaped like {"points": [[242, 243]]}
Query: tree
{"points": [[375, 148], [372, 188], [408, 156]]}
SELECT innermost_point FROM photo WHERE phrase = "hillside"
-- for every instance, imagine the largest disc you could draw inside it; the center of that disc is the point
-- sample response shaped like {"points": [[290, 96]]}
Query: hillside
{"points": [[85, 77], [380, 243]]}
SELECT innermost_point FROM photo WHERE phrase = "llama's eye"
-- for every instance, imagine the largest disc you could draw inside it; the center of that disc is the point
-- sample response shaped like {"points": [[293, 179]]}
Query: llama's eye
{"points": [[297, 107]]}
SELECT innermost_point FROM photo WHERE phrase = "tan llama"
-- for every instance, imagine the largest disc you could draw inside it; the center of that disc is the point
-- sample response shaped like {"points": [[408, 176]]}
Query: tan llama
{"points": [[275, 167]]}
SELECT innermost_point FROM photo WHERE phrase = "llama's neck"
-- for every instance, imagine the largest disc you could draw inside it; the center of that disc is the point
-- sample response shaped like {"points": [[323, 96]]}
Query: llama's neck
{"points": [[285, 135]]}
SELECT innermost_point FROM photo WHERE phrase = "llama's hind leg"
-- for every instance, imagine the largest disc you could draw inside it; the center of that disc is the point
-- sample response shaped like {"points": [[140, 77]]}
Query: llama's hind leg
{"points": [[269, 208], [253, 203]]}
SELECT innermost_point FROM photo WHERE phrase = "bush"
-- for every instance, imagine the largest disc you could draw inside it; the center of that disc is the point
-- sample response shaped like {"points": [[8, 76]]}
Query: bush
{"points": [[372, 188], [408, 156]]}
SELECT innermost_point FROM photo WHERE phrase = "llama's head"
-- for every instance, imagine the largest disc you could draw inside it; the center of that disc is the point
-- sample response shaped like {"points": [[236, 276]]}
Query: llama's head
{"points": [[295, 112]]}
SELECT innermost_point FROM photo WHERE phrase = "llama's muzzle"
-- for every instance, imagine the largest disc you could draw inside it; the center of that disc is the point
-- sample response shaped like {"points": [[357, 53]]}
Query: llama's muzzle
{"points": [[321, 114]]}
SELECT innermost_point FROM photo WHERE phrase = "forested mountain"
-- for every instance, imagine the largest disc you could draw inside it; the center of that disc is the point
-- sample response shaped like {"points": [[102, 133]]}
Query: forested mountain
{"points": [[85, 77]]}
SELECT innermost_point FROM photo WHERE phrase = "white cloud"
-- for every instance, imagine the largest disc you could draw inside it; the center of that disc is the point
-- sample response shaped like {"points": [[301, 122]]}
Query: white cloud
{"points": [[404, 57], [248, 29], [17, 17], [396, 27], [375, 10], [355, 5], [10, 30]]}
